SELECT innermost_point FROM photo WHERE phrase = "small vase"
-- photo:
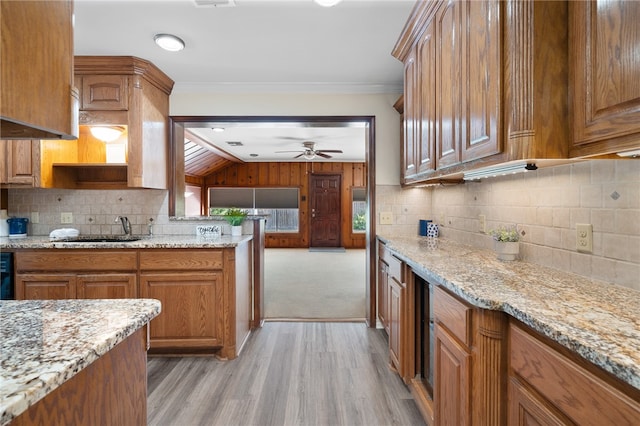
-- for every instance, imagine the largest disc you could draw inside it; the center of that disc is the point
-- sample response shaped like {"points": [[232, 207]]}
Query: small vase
{"points": [[236, 230], [507, 250]]}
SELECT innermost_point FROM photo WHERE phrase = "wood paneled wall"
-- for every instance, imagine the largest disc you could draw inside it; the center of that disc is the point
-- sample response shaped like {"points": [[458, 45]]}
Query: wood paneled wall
{"points": [[275, 175]]}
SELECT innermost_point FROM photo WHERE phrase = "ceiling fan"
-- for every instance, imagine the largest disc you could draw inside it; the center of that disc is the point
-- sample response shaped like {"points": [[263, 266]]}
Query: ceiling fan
{"points": [[309, 152]]}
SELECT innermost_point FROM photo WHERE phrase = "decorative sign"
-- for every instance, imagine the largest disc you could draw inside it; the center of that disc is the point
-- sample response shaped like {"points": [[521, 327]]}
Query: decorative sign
{"points": [[208, 231]]}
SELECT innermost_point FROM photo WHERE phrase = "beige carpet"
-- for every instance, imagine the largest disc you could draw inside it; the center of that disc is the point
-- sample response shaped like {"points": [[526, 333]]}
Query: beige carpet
{"points": [[300, 284]]}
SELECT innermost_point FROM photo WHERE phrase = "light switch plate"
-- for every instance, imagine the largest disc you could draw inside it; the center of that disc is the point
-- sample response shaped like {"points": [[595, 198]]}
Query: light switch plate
{"points": [[482, 223], [35, 217], [584, 237], [386, 218], [66, 217]]}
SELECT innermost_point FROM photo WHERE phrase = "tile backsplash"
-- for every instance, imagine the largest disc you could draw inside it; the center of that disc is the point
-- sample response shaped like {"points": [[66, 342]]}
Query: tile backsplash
{"points": [[545, 205], [95, 211]]}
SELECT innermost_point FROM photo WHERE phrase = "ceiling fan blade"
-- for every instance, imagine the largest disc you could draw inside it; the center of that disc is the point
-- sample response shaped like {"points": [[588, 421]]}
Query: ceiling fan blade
{"points": [[322, 154], [298, 156], [281, 152], [330, 150]]}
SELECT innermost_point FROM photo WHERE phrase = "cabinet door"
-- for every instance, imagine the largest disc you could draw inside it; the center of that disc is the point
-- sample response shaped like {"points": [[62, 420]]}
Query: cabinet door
{"points": [[45, 286], [19, 166], [396, 323], [449, 96], [426, 140], [105, 93], [383, 291], [481, 80], [192, 309], [107, 286], [605, 76], [411, 114], [452, 381], [525, 409]]}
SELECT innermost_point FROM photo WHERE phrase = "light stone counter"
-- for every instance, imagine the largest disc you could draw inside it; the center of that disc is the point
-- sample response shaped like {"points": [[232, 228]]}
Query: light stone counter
{"points": [[46, 342], [156, 241], [597, 320]]}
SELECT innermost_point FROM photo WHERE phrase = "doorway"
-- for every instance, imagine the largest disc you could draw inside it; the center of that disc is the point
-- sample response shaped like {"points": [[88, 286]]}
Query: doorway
{"points": [[325, 224], [180, 126]]}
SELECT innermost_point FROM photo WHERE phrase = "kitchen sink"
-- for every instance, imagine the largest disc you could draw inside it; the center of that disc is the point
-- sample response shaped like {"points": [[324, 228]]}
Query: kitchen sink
{"points": [[100, 239]]}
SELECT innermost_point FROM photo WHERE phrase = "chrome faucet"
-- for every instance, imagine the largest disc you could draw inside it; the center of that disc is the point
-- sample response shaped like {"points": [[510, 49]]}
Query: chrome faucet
{"points": [[126, 225]]}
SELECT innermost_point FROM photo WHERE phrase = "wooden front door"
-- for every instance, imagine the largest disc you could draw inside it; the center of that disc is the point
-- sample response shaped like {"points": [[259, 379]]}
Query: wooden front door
{"points": [[325, 210]]}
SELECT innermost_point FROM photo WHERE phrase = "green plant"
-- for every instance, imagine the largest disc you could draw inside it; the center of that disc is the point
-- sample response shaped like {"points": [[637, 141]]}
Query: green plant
{"points": [[359, 222], [505, 234], [235, 216]]}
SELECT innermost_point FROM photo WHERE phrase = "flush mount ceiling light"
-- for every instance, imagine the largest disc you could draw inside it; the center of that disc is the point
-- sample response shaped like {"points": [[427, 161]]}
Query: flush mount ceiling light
{"points": [[507, 169], [169, 42], [309, 154], [327, 3], [107, 133]]}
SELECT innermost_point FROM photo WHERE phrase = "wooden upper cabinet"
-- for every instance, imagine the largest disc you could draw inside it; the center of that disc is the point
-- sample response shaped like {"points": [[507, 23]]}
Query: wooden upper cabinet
{"points": [[605, 76], [105, 92], [411, 114], [37, 100], [122, 91], [21, 163], [492, 80]]}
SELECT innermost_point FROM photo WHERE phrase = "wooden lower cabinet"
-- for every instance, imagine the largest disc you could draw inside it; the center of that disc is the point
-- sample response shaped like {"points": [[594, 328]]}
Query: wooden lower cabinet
{"points": [[76, 274], [547, 386], [45, 286], [452, 381], [192, 307], [206, 299], [397, 324]]}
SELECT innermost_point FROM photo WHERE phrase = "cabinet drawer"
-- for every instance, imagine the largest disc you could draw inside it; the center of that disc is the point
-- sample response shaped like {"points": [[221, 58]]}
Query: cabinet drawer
{"points": [[166, 260], [570, 388], [75, 261], [452, 314], [395, 269]]}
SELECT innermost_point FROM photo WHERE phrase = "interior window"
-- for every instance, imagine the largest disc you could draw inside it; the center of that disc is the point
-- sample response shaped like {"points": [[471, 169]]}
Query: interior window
{"points": [[359, 209], [280, 205]]}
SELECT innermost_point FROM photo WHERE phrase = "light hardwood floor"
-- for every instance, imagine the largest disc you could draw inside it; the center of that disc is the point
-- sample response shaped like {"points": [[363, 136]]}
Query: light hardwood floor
{"points": [[289, 373]]}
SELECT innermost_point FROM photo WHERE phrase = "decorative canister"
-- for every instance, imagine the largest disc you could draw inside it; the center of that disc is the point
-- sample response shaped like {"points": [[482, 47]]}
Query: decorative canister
{"points": [[17, 227], [423, 226], [432, 230]]}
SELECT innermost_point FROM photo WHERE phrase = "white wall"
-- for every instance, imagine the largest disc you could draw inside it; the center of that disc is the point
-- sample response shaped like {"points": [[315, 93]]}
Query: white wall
{"points": [[378, 105]]}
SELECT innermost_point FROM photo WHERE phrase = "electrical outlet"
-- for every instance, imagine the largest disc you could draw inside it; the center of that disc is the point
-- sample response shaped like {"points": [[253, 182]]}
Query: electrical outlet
{"points": [[483, 223], [584, 237], [35, 217], [386, 218], [442, 219], [66, 217]]}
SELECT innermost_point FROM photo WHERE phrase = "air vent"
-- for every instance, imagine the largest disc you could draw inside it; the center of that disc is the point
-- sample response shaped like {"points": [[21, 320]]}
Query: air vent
{"points": [[214, 3], [234, 143]]}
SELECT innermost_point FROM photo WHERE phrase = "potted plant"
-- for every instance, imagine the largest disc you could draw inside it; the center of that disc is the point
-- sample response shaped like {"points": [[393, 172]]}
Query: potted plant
{"points": [[505, 242], [235, 217]]}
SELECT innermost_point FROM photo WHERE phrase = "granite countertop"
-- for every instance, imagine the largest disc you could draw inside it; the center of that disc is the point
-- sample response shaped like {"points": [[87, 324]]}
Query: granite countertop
{"points": [[599, 321], [46, 342], [156, 241]]}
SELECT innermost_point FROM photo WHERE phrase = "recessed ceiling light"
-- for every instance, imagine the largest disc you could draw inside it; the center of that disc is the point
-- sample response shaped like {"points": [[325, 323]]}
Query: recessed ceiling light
{"points": [[253, 155], [218, 129], [234, 143], [327, 3], [169, 42]]}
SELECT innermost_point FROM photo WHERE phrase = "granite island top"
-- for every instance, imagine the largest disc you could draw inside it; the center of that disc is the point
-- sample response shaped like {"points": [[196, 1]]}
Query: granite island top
{"points": [[155, 241], [46, 342], [597, 320]]}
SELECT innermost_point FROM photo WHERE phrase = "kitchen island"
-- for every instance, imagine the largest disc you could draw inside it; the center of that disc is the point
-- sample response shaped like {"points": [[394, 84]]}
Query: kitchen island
{"points": [[74, 361]]}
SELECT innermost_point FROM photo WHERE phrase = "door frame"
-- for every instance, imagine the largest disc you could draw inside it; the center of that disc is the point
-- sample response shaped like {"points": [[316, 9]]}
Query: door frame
{"points": [[177, 124]]}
